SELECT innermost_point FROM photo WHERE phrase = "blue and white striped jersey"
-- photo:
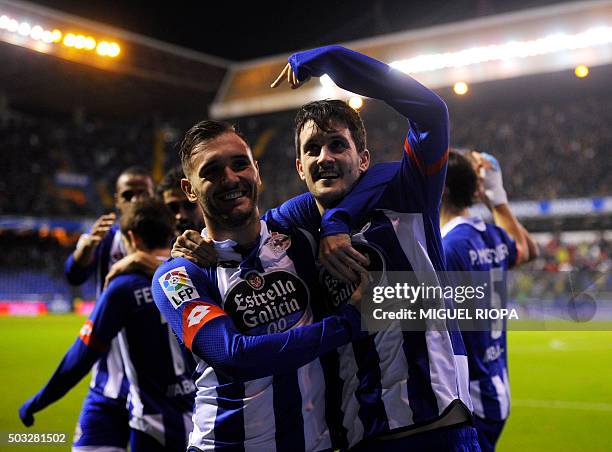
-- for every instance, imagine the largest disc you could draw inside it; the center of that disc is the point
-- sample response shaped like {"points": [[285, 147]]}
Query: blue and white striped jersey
{"points": [[471, 245], [392, 380], [108, 375], [161, 390], [249, 323]]}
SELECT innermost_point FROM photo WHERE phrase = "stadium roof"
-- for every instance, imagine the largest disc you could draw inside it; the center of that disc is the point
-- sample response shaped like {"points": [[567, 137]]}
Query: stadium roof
{"points": [[504, 46], [54, 75]]}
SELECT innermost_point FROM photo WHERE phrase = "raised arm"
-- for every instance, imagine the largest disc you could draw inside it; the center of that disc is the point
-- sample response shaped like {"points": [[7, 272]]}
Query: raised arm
{"points": [[209, 332], [93, 341]]}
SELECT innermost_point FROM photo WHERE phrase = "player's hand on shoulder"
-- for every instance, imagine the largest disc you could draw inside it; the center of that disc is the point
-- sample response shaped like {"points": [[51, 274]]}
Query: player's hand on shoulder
{"points": [[291, 77], [195, 248], [337, 255], [26, 415], [138, 261]]}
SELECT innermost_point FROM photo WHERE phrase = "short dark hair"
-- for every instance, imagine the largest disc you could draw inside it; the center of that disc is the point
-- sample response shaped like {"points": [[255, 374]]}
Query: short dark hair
{"points": [[171, 180], [134, 171], [323, 113], [202, 132], [461, 180], [150, 220]]}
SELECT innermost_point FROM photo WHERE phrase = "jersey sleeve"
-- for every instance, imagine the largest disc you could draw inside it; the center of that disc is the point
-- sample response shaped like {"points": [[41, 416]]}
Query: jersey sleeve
{"points": [[185, 297], [298, 212], [415, 184], [77, 274], [94, 339]]}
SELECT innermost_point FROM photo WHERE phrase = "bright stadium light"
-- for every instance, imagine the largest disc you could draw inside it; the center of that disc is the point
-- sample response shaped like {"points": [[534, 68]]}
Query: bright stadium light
{"points": [[90, 43], [460, 88], [24, 29], [581, 71], [36, 32], [56, 35], [69, 40], [499, 52], [102, 48], [113, 49], [79, 42], [13, 25], [4, 21], [355, 102]]}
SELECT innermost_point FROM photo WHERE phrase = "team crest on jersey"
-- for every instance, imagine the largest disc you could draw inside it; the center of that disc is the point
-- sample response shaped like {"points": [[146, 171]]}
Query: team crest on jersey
{"points": [[178, 287], [338, 292], [267, 303], [278, 243], [255, 280]]}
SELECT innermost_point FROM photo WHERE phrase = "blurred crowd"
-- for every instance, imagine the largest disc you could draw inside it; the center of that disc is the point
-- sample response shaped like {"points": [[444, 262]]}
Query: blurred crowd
{"points": [[547, 151]]}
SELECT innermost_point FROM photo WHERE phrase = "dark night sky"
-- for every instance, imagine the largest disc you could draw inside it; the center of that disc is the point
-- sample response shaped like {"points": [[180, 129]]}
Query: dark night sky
{"points": [[246, 30]]}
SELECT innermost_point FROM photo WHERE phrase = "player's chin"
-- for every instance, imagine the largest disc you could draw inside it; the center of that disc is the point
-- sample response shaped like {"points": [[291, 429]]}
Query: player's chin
{"points": [[329, 196]]}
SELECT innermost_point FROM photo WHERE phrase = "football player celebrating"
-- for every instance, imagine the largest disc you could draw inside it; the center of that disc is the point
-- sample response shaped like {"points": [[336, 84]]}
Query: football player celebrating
{"points": [[469, 243], [400, 390], [249, 319], [159, 375], [104, 419]]}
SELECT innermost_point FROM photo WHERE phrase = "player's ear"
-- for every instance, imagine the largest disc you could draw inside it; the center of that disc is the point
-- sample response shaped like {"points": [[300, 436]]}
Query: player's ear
{"points": [[133, 241], [364, 161], [188, 190], [300, 169], [256, 164]]}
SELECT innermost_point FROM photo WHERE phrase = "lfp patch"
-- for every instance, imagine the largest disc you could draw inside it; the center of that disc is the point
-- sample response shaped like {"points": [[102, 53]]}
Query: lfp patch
{"points": [[178, 287]]}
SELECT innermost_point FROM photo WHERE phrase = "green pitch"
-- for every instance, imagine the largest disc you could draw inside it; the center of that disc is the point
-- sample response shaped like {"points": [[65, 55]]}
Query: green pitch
{"points": [[560, 380]]}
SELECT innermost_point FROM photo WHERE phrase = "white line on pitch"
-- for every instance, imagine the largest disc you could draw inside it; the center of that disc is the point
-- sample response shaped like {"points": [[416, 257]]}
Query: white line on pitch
{"points": [[590, 406]]}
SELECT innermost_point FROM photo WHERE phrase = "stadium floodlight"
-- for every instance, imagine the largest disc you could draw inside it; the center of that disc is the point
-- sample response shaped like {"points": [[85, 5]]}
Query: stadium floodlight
{"points": [[113, 49], [69, 40], [39, 33], [56, 35], [90, 43], [102, 48], [460, 88], [24, 29], [356, 102], [36, 32], [500, 52], [581, 71]]}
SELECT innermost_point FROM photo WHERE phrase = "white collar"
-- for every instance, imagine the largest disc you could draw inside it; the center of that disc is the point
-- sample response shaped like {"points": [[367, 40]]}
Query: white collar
{"points": [[476, 222]]}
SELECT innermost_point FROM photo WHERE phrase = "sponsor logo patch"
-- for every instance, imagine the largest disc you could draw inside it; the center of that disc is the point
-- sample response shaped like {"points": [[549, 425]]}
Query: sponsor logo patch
{"points": [[278, 243], [178, 287], [195, 316], [337, 292], [267, 303], [89, 339]]}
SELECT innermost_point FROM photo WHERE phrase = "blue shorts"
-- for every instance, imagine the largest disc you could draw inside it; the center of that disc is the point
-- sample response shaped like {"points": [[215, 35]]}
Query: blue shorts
{"points": [[461, 438], [102, 422], [488, 432]]}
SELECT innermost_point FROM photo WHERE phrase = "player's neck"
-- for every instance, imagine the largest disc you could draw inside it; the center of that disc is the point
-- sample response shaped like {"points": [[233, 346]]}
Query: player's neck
{"points": [[448, 213], [243, 235]]}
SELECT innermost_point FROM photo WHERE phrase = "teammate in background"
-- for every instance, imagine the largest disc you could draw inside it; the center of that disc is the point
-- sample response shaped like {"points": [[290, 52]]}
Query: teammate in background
{"points": [[161, 390], [187, 214], [104, 419], [249, 319], [401, 390], [465, 239]]}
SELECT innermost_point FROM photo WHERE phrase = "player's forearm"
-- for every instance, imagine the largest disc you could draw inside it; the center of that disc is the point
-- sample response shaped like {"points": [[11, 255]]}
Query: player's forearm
{"points": [[505, 219], [366, 76], [75, 273], [243, 357], [300, 211], [74, 366]]}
